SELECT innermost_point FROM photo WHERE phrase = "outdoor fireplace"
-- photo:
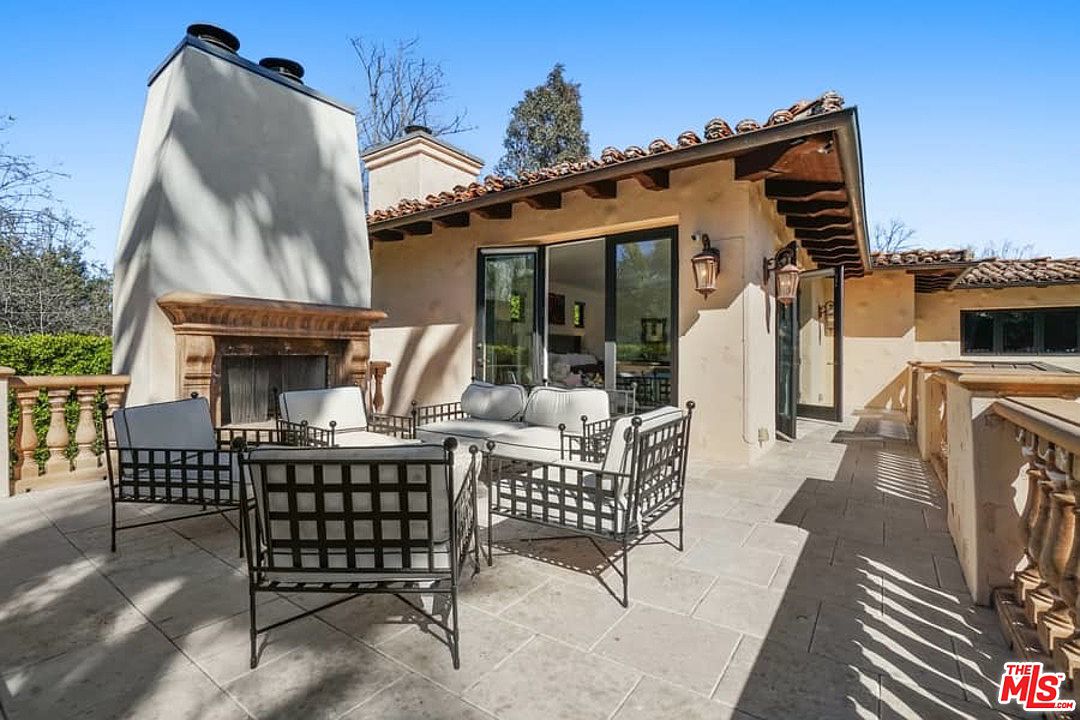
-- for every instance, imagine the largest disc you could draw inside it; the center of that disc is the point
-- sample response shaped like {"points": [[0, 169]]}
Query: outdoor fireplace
{"points": [[239, 352]]}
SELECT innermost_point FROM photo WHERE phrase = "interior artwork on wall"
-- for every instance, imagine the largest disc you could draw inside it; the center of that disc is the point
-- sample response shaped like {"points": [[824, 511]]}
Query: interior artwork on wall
{"points": [[579, 314], [556, 309], [654, 330]]}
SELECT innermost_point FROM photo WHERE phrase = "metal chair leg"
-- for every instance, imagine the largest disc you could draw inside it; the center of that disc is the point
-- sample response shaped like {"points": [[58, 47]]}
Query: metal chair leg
{"points": [[455, 639], [625, 576], [112, 522], [251, 611]]}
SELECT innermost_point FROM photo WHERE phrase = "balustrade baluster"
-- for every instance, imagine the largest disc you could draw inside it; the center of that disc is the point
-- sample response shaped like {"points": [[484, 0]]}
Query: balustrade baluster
{"points": [[57, 438], [85, 430], [26, 467]]}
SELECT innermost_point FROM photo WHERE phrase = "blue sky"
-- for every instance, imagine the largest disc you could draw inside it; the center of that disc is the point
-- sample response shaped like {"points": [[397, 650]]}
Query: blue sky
{"points": [[968, 111]]}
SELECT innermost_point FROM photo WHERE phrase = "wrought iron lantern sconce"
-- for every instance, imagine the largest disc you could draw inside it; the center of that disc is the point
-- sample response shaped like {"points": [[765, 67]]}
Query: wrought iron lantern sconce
{"points": [[786, 272], [827, 317], [706, 266]]}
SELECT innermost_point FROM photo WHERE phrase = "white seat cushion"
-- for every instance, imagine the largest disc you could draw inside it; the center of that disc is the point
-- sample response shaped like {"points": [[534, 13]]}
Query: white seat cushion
{"points": [[181, 424], [365, 438], [550, 407], [530, 443], [468, 431], [343, 405], [618, 453], [485, 401]]}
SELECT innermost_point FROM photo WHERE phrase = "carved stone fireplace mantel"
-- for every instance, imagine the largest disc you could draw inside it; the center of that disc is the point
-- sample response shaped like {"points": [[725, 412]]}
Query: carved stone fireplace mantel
{"points": [[210, 327]]}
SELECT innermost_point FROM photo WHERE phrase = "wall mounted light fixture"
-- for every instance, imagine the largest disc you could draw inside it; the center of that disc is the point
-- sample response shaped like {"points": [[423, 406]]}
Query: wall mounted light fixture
{"points": [[706, 266], [786, 270]]}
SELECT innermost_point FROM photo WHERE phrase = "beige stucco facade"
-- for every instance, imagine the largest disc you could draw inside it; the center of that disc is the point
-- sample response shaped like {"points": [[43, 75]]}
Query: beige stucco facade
{"points": [[725, 357], [886, 324]]}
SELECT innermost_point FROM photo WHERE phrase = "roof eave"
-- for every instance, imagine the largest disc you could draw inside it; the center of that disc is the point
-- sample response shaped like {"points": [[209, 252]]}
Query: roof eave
{"points": [[842, 122]]}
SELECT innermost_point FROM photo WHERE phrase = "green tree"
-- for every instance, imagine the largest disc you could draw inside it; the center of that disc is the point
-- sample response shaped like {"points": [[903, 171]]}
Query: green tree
{"points": [[47, 284], [545, 127]]}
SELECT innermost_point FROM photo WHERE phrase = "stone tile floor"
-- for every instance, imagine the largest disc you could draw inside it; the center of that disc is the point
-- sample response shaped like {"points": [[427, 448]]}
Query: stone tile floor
{"points": [[818, 583]]}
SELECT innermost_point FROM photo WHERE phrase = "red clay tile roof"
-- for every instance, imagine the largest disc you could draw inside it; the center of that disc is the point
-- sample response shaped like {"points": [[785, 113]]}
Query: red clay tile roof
{"points": [[993, 273], [715, 129], [916, 257], [986, 273]]}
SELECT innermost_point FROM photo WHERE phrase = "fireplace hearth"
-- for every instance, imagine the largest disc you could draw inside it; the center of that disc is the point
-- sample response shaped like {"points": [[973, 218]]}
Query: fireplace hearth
{"points": [[240, 351]]}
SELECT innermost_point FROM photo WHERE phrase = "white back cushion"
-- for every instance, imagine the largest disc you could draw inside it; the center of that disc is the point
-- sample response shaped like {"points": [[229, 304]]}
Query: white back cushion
{"points": [[619, 450], [343, 405], [550, 406], [181, 424], [485, 401]]}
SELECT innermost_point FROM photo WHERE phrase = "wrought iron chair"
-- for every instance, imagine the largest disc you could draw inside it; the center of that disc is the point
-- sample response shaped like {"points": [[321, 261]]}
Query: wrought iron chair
{"points": [[344, 411], [359, 520], [627, 474], [171, 454]]}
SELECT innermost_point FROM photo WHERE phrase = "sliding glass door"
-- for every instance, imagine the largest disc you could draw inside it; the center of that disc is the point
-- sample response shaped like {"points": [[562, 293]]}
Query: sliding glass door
{"points": [[641, 322], [509, 317]]}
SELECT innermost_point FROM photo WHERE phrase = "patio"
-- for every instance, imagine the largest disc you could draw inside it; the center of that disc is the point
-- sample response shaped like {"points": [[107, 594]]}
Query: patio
{"points": [[821, 582]]}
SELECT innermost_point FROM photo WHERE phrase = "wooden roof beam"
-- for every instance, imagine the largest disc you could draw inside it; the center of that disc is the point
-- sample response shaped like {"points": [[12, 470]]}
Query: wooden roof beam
{"points": [[813, 208], [804, 190], [501, 211], [838, 222], [773, 160], [658, 179], [454, 220], [545, 201], [388, 235], [602, 189], [825, 235], [422, 227]]}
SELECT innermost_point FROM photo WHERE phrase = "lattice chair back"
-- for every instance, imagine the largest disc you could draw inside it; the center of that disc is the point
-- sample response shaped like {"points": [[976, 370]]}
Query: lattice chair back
{"points": [[346, 516], [168, 452], [650, 451]]}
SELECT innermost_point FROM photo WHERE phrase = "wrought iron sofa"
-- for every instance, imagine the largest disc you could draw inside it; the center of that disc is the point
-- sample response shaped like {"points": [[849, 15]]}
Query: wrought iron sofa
{"points": [[541, 424], [352, 521], [626, 476], [170, 453]]}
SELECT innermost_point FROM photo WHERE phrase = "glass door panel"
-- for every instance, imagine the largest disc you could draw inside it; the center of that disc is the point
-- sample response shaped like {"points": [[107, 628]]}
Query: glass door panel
{"points": [[787, 361], [819, 320], [641, 323], [508, 318]]}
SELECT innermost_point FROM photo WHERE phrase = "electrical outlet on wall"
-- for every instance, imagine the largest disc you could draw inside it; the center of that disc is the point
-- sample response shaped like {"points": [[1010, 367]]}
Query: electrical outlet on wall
{"points": [[763, 434]]}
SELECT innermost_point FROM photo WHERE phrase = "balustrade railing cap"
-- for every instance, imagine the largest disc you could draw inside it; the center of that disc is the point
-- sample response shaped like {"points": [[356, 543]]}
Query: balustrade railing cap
{"points": [[69, 381]]}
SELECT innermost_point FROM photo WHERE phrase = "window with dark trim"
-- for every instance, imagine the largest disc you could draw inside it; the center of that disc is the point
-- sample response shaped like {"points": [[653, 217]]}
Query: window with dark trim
{"points": [[1033, 331]]}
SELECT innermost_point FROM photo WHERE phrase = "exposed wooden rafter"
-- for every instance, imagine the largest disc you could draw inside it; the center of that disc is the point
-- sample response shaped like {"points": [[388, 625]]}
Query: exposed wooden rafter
{"points": [[825, 235], [387, 235], [804, 190], [837, 222], [812, 208], [422, 227], [658, 179], [545, 201], [602, 189], [502, 211], [777, 159], [454, 220]]}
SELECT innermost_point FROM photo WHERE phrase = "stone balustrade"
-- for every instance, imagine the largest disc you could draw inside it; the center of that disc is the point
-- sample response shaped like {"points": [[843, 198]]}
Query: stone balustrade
{"points": [[60, 466], [377, 370], [1040, 608]]}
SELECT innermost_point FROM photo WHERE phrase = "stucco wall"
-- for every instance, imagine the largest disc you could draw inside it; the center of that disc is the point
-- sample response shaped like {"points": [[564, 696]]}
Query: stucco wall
{"points": [[428, 285], [239, 186], [886, 323], [937, 319], [879, 339]]}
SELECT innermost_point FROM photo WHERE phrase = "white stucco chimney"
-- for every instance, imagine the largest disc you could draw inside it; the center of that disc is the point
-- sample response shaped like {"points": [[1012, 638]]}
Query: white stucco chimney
{"points": [[415, 166]]}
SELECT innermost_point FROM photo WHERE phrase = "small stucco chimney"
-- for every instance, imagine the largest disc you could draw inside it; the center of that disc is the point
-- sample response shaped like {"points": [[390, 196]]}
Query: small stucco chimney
{"points": [[415, 166]]}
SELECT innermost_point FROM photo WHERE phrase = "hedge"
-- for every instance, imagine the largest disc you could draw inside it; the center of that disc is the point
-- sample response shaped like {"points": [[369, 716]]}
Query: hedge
{"points": [[66, 354]]}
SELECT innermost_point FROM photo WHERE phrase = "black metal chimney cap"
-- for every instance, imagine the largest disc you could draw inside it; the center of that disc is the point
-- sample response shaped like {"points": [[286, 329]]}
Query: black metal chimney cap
{"points": [[417, 128], [289, 68], [215, 35]]}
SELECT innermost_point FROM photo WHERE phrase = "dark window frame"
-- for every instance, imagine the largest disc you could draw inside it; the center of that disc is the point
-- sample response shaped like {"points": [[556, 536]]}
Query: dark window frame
{"points": [[998, 315]]}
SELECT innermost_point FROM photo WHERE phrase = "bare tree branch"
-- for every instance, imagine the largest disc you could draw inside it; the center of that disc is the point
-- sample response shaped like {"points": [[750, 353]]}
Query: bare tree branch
{"points": [[893, 237], [402, 90]]}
